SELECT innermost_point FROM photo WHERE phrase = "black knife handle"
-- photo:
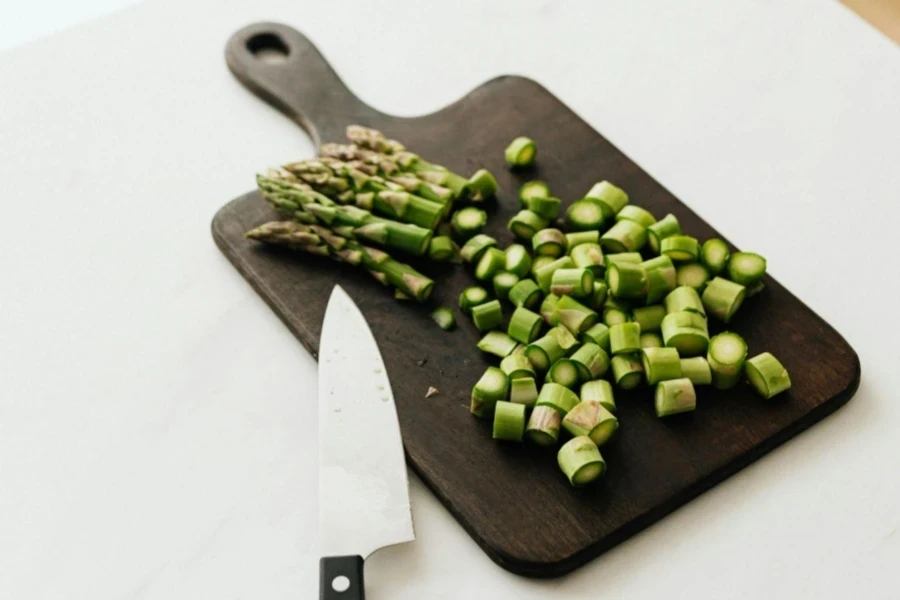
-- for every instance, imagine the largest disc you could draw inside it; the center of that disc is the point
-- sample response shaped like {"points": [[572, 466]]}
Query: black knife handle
{"points": [[333, 567]]}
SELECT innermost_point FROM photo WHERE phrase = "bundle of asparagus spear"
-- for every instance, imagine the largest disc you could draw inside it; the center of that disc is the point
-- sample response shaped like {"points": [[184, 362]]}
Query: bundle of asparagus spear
{"points": [[370, 192], [619, 293]]}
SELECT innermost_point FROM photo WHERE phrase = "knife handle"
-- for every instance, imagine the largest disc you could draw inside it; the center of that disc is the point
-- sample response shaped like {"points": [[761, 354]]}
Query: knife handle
{"points": [[331, 568]]}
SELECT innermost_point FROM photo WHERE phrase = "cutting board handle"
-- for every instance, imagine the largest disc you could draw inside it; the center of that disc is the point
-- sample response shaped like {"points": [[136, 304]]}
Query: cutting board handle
{"points": [[280, 65]]}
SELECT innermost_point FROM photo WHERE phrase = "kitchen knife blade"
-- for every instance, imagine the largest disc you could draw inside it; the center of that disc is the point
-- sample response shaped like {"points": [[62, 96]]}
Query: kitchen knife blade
{"points": [[363, 489]]}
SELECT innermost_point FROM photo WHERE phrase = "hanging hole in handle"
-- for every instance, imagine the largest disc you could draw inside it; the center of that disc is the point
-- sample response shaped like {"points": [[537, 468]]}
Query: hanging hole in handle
{"points": [[340, 584], [268, 47]]}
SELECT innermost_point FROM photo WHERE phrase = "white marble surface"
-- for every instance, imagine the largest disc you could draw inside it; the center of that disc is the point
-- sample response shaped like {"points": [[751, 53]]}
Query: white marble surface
{"points": [[157, 422]]}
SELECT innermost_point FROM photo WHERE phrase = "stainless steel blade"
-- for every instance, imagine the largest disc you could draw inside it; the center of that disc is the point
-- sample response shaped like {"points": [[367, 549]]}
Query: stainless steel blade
{"points": [[363, 490]]}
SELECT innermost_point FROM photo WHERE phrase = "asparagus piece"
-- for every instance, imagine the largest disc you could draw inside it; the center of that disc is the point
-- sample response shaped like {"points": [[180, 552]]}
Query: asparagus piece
{"points": [[401, 276], [548, 309], [487, 316], [564, 372], [661, 278], [615, 316], [548, 207], [584, 215], [481, 185], [610, 198], [557, 397], [400, 295], [543, 426], [471, 297], [524, 325], [675, 396], [526, 223], [693, 275], [722, 298], [588, 256], [626, 280], [714, 255], [549, 242], [518, 260], [766, 375], [476, 246], [580, 460], [520, 153], [649, 317], [525, 293], [726, 356], [491, 262], [661, 364], [662, 229], [509, 421], [545, 351], [620, 258], [490, 389], [540, 261], [504, 283], [746, 268], [591, 361], [593, 420], [544, 274], [625, 338], [686, 332], [599, 295], [443, 316], [577, 283], [497, 343], [531, 190], [680, 248], [576, 238], [641, 216], [577, 317], [567, 340], [599, 391], [684, 298], [468, 221], [624, 236], [697, 370], [628, 371], [597, 334], [441, 248], [516, 366], [523, 391], [651, 339]]}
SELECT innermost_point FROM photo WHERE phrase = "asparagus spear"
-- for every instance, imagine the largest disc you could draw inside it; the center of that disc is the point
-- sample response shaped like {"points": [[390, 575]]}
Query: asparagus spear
{"points": [[297, 236]]}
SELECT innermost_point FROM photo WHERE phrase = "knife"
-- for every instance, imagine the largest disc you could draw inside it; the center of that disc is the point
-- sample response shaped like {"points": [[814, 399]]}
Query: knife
{"points": [[363, 490]]}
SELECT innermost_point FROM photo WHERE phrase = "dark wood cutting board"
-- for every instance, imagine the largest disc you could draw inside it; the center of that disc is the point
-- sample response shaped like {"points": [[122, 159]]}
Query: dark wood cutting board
{"points": [[512, 499]]}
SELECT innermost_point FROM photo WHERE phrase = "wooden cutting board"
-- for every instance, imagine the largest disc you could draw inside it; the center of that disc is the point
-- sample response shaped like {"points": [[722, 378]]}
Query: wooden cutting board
{"points": [[511, 498]]}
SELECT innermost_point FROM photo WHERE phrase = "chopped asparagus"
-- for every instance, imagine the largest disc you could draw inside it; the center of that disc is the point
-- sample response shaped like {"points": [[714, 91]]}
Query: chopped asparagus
{"points": [[490, 389], [641, 216], [473, 249], [661, 364], [548, 309], [697, 370], [543, 426], [625, 338], [492, 262], [599, 391], [693, 275], [684, 298], [714, 255], [518, 260], [593, 420], [576, 238], [624, 236], [610, 198], [526, 223], [626, 280], [588, 256], [662, 229], [723, 298], [584, 215], [746, 268], [481, 185], [649, 317], [628, 371], [726, 356], [651, 339], [675, 396], [523, 390], [516, 366], [497, 343], [487, 316], [504, 281], [509, 421], [680, 248], [580, 460], [468, 221], [549, 242], [686, 332], [525, 293], [443, 316], [524, 325], [766, 375], [531, 190], [597, 334], [548, 207], [544, 274], [520, 153], [441, 248], [558, 397], [572, 282], [577, 317], [472, 296], [545, 351]]}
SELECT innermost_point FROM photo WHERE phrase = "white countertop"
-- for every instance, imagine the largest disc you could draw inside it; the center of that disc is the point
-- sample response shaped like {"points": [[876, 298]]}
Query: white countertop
{"points": [[157, 422]]}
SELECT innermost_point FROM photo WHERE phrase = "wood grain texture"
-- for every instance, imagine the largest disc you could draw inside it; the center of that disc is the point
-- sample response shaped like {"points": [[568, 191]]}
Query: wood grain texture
{"points": [[512, 499]]}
